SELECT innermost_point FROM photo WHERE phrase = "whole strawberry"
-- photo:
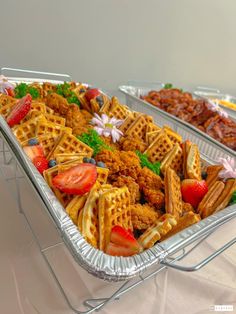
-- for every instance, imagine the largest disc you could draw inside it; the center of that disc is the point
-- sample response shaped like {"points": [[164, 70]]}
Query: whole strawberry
{"points": [[40, 163], [193, 191]]}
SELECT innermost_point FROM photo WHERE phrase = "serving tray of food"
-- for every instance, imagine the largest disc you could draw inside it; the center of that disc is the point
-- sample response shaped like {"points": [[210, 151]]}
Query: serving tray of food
{"points": [[124, 192], [225, 101], [194, 117]]}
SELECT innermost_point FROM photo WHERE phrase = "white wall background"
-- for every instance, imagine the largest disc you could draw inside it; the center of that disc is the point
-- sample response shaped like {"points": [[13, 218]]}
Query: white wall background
{"points": [[107, 42]]}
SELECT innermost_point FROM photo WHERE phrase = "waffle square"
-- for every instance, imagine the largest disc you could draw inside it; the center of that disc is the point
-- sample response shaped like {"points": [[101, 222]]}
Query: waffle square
{"points": [[159, 148], [6, 109], [74, 207], [138, 128], [46, 127], [70, 144], [102, 175], [193, 165], [173, 136], [113, 209], [174, 160], [117, 110], [173, 196], [62, 158], [27, 130], [55, 119], [151, 136], [38, 106], [127, 122]]}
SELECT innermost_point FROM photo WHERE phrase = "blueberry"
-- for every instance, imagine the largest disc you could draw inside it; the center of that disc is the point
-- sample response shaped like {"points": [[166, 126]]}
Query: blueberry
{"points": [[82, 90], [101, 164], [204, 175], [33, 142], [86, 160], [181, 176], [52, 163], [92, 161], [99, 100]]}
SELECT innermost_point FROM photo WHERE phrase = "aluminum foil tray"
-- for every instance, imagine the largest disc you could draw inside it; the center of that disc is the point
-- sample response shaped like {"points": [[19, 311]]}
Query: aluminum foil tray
{"points": [[95, 261], [207, 145]]}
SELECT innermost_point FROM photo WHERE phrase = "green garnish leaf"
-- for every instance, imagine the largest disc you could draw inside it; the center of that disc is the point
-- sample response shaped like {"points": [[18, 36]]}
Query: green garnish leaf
{"points": [[93, 140], [22, 89], [168, 85], [65, 91], [233, 199], [155, 167]]}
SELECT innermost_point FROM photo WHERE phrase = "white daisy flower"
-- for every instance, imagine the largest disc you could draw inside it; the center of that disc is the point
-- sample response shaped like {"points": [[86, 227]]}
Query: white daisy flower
{"points": [[107, 126], [229, 170], [5, 85]]}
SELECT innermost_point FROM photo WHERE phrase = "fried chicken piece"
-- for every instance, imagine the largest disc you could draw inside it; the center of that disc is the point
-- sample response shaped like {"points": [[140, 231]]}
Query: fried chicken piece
{"points": [[87, 115], [120, 163], [109, 142], [111, 160], [154, 197], [74, 117], [149, 180], [132, 144], [131, 185], [81, 129], [58, 103], [143, 216], [48, 87]]}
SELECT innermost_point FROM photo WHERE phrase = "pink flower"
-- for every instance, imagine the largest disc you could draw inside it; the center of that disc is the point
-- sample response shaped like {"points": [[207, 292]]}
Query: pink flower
{"points": [[214, 106], [229, 170], [107, 126], [4, 85]]}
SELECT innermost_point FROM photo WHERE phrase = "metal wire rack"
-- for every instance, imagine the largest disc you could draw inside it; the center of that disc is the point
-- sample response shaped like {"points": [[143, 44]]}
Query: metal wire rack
{"points": [[12, 174]]}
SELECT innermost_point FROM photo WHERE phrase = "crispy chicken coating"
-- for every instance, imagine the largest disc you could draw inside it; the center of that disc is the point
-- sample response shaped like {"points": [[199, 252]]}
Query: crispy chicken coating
{"points": [[87, 115], [187, 207], [149, 180], [143, 216], [58, 103], [120, 163], [155, 198], [132, 144], [131, 185], [74, 118]]}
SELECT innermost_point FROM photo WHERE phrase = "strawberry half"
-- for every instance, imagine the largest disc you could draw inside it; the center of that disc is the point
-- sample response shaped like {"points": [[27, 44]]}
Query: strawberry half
{"points": [[20, 110], [92, 93], [40, 163], [118, 250], [76, 180], [125, 238], [33, 151], [193, 191]]}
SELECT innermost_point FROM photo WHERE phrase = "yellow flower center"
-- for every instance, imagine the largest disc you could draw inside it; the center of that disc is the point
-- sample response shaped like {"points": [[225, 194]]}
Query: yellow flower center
{"points": [[109, 125]]}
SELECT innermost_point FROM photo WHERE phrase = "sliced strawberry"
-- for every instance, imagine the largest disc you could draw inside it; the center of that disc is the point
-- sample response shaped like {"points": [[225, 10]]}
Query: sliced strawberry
{"points": [[193, 191], [76, 180], [33, 151], [118, 250], [92, 93], [10, 92], [123, 237], [40, 163], [20, 110]]}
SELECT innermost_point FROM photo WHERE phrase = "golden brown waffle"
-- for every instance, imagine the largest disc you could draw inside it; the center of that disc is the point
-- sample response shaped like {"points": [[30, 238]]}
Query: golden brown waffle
{"points": [[225, 197], [106, 105], [213, 174], [127, 122], [173, 159], [151, 136], [102, 175], [138, 128], [46, 141], [114, 209], [84, 103], [45, 127], [6, 100], [75, 205], [68, 164], [209, 202], [185, 221], [193, 163], [27, 130], [90, 217], [173, 136], [159, 148], [38, 106], [152, 127], [6, 109], [117, 110], [70, 144], [80, 218], [158, 230], [186, 146], [49, 110], [55, 119], [173, 196], [63, 198], [62, 158]]}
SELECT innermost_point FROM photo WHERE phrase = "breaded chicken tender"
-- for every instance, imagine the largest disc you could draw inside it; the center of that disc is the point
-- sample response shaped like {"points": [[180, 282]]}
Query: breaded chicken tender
{"points": [[131, 185], [74, 117], [149, 180], [143, 216], [132, 144], [58, 103], [155, 198]]}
